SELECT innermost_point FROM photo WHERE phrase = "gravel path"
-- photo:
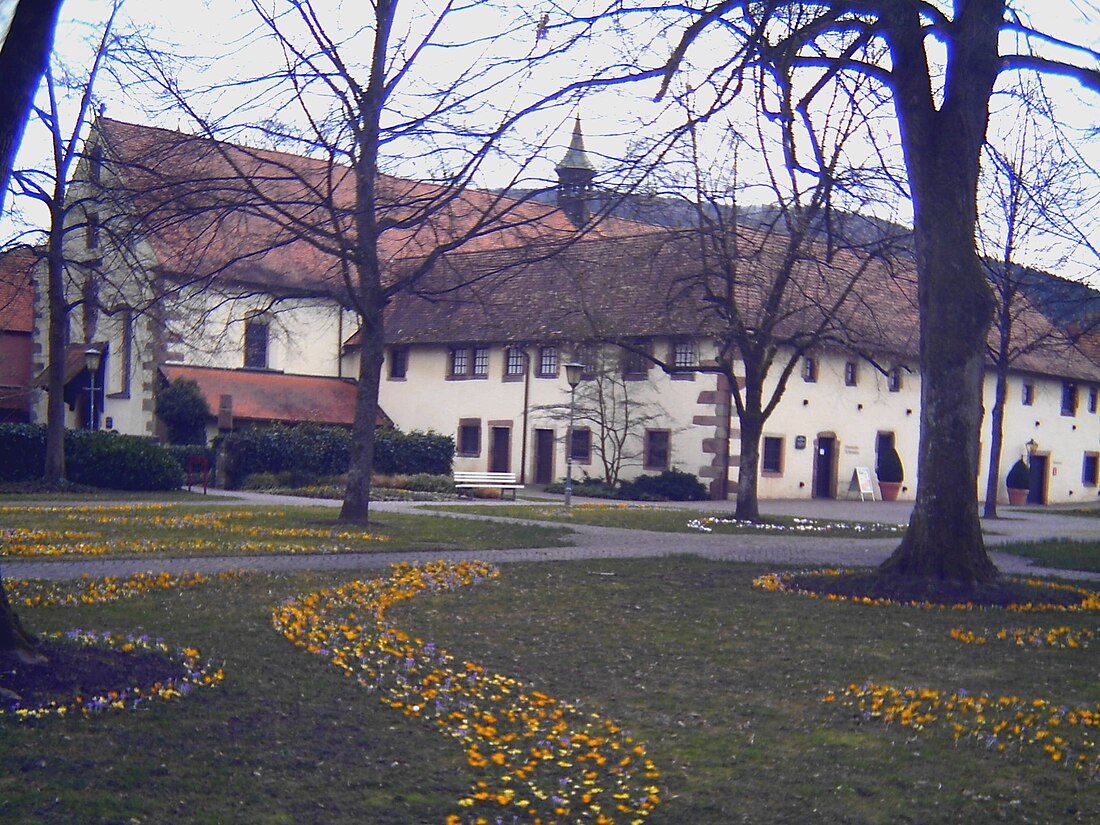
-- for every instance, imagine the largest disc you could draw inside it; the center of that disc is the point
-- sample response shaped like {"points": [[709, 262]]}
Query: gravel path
{"points": [[604, 542]]}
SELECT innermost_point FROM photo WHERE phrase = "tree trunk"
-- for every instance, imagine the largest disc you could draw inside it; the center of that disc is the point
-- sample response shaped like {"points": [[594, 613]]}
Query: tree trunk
{"points": [[942, 149], [12, 634], [57, 321], [356, 507], [748, 474], [996, 441], [23, 59]]}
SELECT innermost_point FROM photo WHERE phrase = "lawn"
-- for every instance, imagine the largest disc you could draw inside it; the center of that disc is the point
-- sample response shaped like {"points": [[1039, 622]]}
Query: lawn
{"points": [[670, 519], [738, 694], [1059, 553], [151, 529]]}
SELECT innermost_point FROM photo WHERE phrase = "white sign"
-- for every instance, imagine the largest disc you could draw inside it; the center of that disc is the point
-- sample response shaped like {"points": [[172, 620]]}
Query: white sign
{"points": [[861, 483]]}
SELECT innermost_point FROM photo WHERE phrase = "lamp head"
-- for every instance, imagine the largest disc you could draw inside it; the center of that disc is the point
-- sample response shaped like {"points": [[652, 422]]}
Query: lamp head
{"points": [[92, 357], [573, 372]]}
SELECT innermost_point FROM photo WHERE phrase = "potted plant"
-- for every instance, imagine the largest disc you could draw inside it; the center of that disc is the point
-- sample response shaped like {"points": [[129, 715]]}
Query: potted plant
{"points": [[890, 474], [1018, 482]]}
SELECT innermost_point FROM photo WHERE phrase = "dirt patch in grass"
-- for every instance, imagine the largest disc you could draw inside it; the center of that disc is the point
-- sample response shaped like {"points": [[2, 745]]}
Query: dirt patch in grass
{"points": [[1005, 592], [75, 670]]}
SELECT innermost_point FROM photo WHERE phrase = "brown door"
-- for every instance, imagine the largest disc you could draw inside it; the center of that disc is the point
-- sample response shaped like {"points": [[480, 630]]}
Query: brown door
{"points": [[500, 458], [825, 467], [1039, 469], [544, 456]]}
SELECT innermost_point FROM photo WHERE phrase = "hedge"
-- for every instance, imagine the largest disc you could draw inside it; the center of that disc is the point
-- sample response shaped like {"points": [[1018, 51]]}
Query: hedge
{"points": [[97, 459], [308, 451]]}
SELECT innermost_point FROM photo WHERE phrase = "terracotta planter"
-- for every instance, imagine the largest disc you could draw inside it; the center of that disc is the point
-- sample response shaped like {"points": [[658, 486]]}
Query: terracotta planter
{"points": [[1017, 496], [889, 490]]}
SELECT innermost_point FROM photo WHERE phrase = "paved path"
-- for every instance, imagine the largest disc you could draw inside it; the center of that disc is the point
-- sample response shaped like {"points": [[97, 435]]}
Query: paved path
{"points": [[604, 542]]}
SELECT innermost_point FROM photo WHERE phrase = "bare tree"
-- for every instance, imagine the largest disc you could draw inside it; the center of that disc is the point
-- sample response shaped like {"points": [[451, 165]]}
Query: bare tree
{"points": [[941, 100], [349, 106], [50, 187], [1035, 191], [612, 408], [23, 58], [775, 284]]}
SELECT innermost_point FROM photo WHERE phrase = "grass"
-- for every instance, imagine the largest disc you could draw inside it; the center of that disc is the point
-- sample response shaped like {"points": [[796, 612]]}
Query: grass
{"points": [[669, 519], [1059, 553], [157, 530], [722, 681]]}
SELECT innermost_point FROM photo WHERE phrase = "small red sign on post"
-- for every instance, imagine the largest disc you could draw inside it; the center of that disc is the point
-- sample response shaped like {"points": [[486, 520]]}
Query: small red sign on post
{"points": [[194, 465]]}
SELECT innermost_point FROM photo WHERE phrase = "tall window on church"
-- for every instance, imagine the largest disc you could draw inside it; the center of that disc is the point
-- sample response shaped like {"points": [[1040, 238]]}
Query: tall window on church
{"points": [[256, 334]]}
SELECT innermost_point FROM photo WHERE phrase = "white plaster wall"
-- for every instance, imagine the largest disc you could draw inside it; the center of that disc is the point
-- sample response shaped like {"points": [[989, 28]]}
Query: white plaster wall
{"points": [[1062, 439], [305, 335]]}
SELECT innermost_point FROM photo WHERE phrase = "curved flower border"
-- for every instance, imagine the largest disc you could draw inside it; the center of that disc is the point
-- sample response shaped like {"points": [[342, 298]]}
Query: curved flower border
{"points": [[539, 760], [784, 583], [1067, 735], [195, 672], [88, 590]]}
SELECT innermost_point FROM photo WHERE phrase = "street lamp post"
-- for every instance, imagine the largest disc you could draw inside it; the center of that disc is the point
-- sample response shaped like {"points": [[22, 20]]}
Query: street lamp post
{"points": [[92, 357], [573, 372]]}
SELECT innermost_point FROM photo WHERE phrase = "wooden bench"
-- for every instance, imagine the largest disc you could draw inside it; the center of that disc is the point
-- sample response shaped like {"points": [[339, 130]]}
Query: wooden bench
{"points": [[479, 480]]}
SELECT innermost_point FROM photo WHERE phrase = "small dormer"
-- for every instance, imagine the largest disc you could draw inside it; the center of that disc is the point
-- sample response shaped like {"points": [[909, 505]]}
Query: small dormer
{"points": [[575, 174]]}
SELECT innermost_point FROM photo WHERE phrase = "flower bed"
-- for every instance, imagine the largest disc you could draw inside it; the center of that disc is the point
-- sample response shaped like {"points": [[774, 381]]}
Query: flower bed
{"points": [[537, 759]]}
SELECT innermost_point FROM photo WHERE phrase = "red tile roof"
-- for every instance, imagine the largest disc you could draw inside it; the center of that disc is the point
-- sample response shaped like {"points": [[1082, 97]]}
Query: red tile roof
{"points": [[652, 285], [17, 291], [274, 396], [206, 211]]}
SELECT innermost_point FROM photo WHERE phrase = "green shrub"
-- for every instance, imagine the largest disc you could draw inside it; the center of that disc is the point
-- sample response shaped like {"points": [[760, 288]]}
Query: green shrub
{"points": [[1019, 477], [96, 459], [267, 481], [670, 485], [889, 467], [309, 451], [413, 453], [184, 411], [120, 462], [22, 451], [420, 483], [182, 452]]}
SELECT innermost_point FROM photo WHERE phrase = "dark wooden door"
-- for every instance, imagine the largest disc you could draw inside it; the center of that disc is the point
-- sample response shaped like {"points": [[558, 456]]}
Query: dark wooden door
{"points": [[500, 450], [825, 467], [544, 456], [1038, 492]]}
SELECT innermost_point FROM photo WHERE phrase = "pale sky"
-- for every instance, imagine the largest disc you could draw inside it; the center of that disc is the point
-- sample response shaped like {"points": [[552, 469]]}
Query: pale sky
{"points": [[609, 123]]}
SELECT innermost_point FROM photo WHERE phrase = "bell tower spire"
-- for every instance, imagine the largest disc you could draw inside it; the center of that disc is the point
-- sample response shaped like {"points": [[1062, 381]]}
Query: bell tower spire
{"points": [[575, 175]]}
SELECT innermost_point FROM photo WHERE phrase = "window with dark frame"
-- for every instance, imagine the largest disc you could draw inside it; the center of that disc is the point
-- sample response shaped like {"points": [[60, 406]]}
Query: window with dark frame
{"points": [[1069, 398], [635, 365], [91, 231], [256, 338], [1092, 399], [657, 449], [459, 365], [809, 370], [481, 362], [399, 363], [851, 373], [771, 455], [589, 360], [581, 447], [548, 362], [1090, 470], [893, 380], [1028, 397], [95, 163], [469, 437], [515, 362], [683, 355]]}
